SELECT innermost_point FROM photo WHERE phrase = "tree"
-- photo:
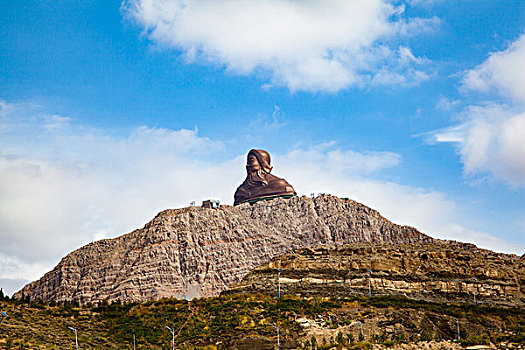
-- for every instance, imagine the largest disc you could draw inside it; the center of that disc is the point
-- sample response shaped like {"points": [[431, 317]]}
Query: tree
{"points": [[314, 342], [2, 296], [340, 338]]}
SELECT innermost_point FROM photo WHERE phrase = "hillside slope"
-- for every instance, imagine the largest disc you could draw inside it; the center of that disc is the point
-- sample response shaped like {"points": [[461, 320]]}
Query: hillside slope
{"points": [[212, 248], [244, 322], [438, 271]]}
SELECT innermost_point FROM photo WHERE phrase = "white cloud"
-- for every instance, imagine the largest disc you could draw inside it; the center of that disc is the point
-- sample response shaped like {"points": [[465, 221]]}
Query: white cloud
{"points": [[482, 239], [446, 104], [10, 286], [64, 186], [425, 3], [326, 157], [303, 45], [490, 137], [14, 268], [502, 71], [491, 141]]}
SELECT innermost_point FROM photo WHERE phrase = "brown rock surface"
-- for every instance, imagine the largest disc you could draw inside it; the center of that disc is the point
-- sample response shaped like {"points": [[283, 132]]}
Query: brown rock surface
{"points": [[438, 271], [213, 248]]}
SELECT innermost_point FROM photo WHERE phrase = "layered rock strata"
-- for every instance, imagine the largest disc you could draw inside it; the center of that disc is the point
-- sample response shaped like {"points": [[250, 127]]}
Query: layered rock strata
{"points": [[209, 249], [440, 271]]}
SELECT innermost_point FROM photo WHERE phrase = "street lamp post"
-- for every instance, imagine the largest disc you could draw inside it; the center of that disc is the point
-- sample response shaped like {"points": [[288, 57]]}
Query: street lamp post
{"points": [[156, 292], [172, 337], [3, 314], [279, 282], [457, 322], [76, 336], [369, 288], [360, 325], [184, 286], [277, 329]]}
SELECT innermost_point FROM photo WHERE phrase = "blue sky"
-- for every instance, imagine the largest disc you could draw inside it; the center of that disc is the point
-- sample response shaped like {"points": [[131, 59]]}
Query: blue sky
{"points": [[110, 112]]}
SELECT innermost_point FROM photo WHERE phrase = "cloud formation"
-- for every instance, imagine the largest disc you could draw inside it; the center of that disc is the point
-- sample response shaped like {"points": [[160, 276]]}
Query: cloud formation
{"points": [[491, 141], [491, 135], [502, 72], [302, 45]]}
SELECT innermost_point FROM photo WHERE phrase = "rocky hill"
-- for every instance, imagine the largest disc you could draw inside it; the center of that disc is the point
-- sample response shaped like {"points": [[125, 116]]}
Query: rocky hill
{"points": [[210, 249], [439, 271]]}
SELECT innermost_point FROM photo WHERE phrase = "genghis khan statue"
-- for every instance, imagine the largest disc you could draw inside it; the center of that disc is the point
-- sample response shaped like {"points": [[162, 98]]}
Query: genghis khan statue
{"points": [[259, 183]]}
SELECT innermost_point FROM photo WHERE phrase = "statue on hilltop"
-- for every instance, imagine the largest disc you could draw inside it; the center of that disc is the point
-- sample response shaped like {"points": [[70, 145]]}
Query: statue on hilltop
{"points": [[259, 183]]}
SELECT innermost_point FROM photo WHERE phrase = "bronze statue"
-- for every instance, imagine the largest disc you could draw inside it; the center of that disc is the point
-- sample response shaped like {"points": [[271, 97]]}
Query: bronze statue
{"points": [[259, 183]]}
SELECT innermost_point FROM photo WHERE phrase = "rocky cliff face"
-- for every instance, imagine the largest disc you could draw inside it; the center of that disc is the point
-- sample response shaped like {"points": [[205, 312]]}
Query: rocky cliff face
{"points": [[210, 249], [439, 271]]}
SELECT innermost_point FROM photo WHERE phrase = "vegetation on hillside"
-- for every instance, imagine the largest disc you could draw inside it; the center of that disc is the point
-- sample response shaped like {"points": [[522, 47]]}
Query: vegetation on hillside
{"points": [[246, 322]]}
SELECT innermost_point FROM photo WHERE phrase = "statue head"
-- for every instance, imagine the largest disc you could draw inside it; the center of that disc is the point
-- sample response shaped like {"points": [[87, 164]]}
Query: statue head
{"points": [[258, 159]]}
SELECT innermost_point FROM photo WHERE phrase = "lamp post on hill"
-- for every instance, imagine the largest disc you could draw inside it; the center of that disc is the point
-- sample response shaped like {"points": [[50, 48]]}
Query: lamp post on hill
{"points": [[3, 314], [277, 329], [457, 322], [76, 336], [369, 288], [156, 293], [172, 337], [184, 286], [278, 282], [360, 325]]}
